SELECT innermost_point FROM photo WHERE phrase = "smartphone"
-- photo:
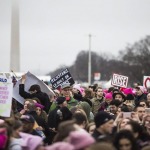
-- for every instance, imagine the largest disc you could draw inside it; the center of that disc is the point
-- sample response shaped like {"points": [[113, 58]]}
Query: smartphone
{"points": [[126, 114], [147, 110]]}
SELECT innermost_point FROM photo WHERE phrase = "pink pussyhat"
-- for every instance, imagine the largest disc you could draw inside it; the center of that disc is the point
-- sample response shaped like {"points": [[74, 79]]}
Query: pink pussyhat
{"points": [[108, 96], [127, 91]]}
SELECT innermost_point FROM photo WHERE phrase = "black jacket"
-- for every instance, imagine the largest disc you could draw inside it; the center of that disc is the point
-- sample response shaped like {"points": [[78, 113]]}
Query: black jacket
{"points": [[43, 97]]}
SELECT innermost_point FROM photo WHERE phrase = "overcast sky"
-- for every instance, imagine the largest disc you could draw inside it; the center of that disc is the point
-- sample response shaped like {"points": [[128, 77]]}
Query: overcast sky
{"points": [[53, 32]]}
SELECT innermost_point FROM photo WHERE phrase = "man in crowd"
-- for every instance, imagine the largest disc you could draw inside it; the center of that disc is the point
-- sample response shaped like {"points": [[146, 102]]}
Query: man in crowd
{"points": [[97, 100], [104, 126], [34, 91]]}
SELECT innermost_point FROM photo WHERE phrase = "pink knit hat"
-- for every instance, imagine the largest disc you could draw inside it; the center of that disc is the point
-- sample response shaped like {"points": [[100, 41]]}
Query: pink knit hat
{"points": [[3, 138], [39, 105], [60, 146], [142, 89], [108, 96], [30, 142], [127, 91], [80, 139]]}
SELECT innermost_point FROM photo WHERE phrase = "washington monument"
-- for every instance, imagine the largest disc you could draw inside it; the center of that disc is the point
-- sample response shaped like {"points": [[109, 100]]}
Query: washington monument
{"points": [[15, 41]]}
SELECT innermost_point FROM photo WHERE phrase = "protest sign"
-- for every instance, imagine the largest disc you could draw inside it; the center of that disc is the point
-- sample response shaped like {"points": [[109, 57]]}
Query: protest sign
{"points": [[63, 77], [30, 80], [6, 89], [119, 80], [146, 81]]}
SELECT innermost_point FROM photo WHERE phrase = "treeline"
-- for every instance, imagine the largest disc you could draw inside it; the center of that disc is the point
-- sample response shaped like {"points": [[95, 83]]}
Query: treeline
{"points": [[133, 61]]}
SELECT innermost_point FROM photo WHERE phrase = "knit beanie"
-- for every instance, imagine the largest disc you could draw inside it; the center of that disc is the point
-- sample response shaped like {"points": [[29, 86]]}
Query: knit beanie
{"points": [[101, 118]]}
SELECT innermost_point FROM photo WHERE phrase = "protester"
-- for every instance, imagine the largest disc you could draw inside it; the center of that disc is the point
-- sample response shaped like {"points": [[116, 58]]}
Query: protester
{"points": [[104, 126], [34, 91], [97, 100]]}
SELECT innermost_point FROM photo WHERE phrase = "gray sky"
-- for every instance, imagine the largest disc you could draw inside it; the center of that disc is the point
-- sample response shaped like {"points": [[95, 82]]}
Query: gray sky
{"points": [[52, 32]]}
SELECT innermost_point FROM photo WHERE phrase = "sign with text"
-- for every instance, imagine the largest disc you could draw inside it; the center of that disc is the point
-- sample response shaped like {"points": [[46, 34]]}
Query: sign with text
{"points": [[6, 89], [62, 77], [119, 80], [146, 81]]}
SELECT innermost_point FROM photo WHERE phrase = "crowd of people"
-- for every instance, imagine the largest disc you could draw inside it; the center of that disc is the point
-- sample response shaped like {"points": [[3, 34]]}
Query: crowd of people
{"points": [[78, 118]]}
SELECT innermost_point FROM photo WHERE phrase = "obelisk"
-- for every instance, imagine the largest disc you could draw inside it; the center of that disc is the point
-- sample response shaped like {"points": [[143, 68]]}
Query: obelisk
{"points": [[15, 42]]}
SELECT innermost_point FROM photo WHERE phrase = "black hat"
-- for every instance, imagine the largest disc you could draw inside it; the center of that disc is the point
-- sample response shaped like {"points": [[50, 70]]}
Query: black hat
{"points": [[101, 118], [60, 100], [129, 97], [27, 118], [120, 93]]}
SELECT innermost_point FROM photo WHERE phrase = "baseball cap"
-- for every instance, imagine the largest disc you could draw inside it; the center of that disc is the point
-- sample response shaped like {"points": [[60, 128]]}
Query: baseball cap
{"points": [[65, 85], [27, 118]]}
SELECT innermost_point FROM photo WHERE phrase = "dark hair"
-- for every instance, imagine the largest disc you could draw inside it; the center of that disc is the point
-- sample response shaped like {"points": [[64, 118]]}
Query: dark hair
{"points": [[115, 102], [64, 130], [137, 128], [89, 125], [79, 118], [124, 134], [35, 87], [125, 108]]}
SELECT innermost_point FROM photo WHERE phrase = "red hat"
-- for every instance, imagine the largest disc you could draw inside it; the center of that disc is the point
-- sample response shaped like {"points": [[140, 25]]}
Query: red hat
{"points": [[39, 105]]}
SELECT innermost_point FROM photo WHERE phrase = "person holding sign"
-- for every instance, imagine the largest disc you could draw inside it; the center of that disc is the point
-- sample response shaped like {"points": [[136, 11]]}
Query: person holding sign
{"points": [[34, 91]]}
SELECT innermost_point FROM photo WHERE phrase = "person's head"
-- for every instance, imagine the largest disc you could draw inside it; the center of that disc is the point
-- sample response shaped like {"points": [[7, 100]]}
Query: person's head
{"points": [[114, 104], [148, 97], [124, 140], [91, 127], [135, 128], [61, 101], [64, 130], [99, 92], [104, 122], [143, 103], [16, 126], [88, 93], [139, 90], [140, 110], [122, 123], [147, 122], [76, 89], [34, 88], [66, 89], [39, 108], [80, 119], [28, 123], [85, 107], [108, 97], [119, 96]]}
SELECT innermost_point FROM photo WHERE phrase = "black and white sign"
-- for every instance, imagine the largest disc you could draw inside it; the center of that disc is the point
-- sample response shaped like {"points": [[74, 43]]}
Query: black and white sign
{"points": [[62, 77], [119, 80]]}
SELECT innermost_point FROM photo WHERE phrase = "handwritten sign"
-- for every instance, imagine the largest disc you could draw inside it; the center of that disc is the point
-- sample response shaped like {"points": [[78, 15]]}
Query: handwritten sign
{"points": [[146, 81], [62, 77], [6, 89], [119, 80]]}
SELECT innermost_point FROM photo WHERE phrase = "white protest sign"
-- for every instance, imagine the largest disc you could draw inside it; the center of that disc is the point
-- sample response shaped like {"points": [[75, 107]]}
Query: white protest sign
{"points": [[146, 81], [30, 80], [119, 80], [6, 89]]}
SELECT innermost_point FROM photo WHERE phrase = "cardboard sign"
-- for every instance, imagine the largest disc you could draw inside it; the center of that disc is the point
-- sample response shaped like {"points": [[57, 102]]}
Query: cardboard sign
{"points": [[6, 89], [119, 80], [62, 77], [30, 80], [97, 76], [146, 81]]}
